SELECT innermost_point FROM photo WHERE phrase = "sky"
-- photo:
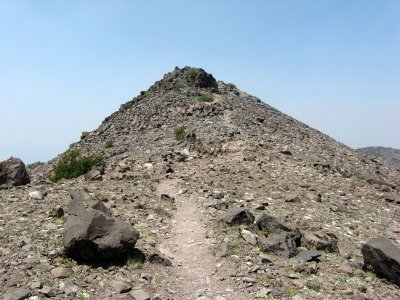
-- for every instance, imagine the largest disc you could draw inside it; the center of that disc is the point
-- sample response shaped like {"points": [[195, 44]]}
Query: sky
{"points": [[65, 65]]}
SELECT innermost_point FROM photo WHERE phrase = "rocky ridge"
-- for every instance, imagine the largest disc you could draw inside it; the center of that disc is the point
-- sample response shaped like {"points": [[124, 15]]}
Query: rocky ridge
{"points": [[198, 201]]}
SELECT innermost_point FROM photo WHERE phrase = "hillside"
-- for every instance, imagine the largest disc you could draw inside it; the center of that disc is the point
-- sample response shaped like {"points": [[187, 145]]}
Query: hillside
{"points": [[188, 163], [392, 156]]}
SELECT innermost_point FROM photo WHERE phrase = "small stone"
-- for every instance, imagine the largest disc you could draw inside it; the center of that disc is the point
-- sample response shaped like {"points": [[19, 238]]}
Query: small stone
{"points": [[249, 280], [36, 285], [218, 195], [70, 289], [60, 272], [37, 195], [18, 294], [345, 268], [48, 292], [309, 255], [121, 287], [139, 295], [249, 237]]}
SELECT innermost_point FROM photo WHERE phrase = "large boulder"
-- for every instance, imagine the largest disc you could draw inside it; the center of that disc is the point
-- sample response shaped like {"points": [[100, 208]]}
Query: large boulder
{"points": [[13, 173], [383, 257], [91, 233]]}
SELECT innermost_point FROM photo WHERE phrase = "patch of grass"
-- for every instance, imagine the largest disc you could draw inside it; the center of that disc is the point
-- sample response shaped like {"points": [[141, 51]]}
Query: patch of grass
{"points": [[180, 132], [290, 292], [72, 164], [136, 263], [232, 86], [206, 98], [109, 144], [314, 287]]}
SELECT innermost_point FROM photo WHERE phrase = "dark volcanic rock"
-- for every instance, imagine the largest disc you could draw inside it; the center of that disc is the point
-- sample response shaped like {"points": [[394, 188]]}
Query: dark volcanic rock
{"points": [[91, 232], [282, 244], [238, 216], [309, 255], [269, 224], [13, 173], [383, 257]]}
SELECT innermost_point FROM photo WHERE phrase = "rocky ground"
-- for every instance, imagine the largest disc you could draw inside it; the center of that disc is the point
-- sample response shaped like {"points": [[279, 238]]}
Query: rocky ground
{"points": [[237, 152]]}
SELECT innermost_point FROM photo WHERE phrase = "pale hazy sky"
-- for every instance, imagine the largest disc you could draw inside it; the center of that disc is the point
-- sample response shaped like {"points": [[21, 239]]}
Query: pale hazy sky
{"points": [[66, 65]]}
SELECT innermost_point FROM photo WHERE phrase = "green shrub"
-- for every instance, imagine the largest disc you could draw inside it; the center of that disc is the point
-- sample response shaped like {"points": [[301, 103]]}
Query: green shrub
{"points": [[206, 98], [109, 144], [180, 133], [73, 165], [232, 86]]}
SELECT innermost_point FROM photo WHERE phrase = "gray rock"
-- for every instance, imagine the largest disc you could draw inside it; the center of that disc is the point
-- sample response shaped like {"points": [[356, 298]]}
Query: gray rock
{"points": [[158, 258], [218, 194], [13, 173], [249, 237], [269, 224], [383, 257], [18, 294], [37, 195], [321, 240], [60, 272], [282, 244], [238, 216], [121, 287], [139, 295], [91, 232], [309, 255]]}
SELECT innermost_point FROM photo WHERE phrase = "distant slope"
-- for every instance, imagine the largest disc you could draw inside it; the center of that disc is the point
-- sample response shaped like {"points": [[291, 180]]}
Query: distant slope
{"points": [[389, 154]]}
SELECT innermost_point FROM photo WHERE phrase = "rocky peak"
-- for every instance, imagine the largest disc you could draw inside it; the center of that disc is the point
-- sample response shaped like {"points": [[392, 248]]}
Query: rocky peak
{"points": [[187, 77]]}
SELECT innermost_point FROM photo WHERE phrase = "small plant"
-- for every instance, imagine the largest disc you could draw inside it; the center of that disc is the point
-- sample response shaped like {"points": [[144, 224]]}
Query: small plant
{"points": [[315, 288], [72, 164], [136, 263], [109, 144], [206, 98], [232, 86], [180, 133]]}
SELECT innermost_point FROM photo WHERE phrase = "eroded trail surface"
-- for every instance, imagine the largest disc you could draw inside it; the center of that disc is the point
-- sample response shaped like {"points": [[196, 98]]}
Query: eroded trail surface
{"points": [[198, 273]]}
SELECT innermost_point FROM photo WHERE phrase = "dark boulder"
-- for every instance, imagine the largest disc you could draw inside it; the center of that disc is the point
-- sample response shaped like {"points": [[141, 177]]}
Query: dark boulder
{"points": [[270, 225], [282, 244], [278, 238], [238, 216], [13, 173], [383, 257], [91, 233]]}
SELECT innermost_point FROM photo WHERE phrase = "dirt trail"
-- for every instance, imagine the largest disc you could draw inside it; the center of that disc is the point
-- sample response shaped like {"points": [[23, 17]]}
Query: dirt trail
{"points": [[195, 267]]}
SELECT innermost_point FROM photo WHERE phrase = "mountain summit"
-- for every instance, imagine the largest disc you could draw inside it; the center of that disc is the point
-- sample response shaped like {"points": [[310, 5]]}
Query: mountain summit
{"points": [[231, 199]]}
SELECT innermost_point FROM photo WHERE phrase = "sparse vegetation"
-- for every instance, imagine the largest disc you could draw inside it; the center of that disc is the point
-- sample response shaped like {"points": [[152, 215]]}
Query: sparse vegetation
{"points": [[109, 144], [190, 75], [73, 164], [135, 262], [180, 132], [232, 86], [206, 98], [316, 288]]}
